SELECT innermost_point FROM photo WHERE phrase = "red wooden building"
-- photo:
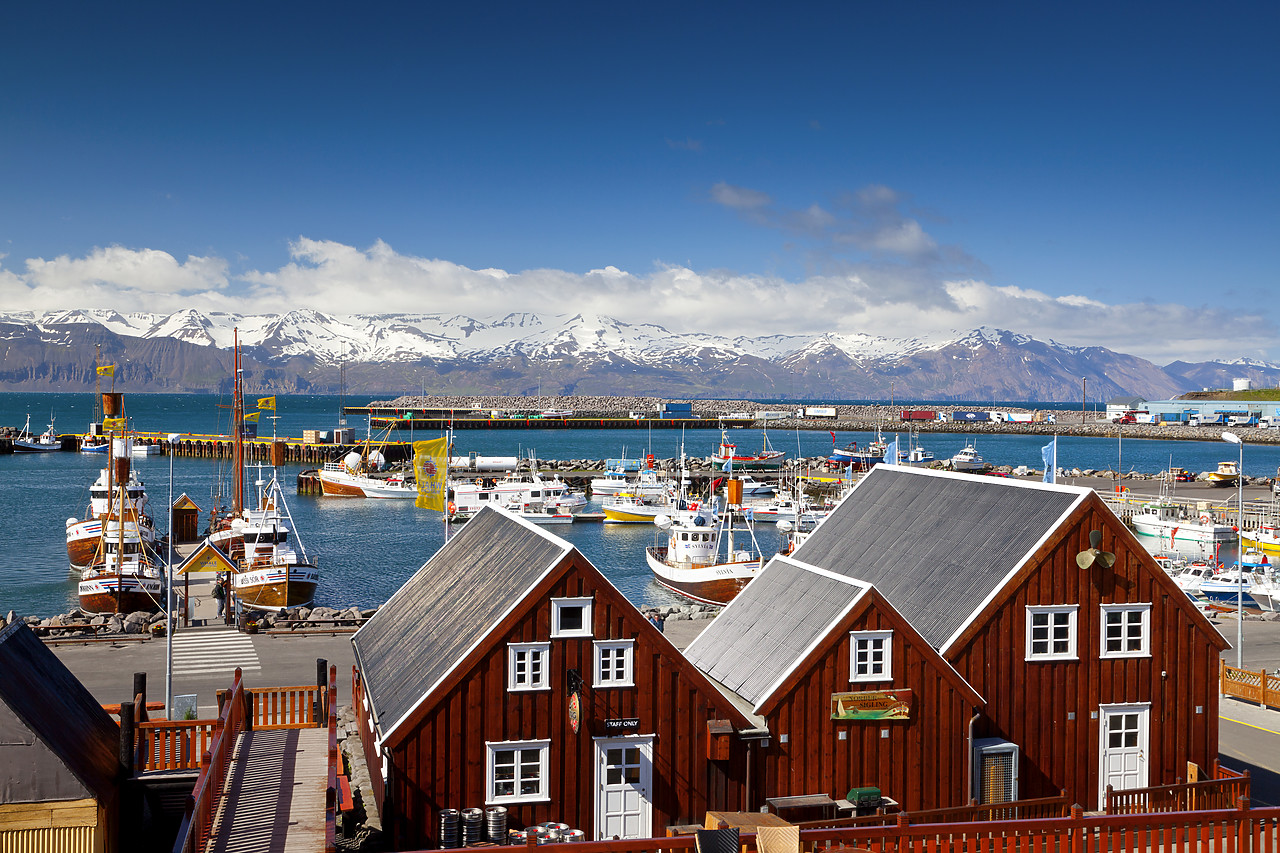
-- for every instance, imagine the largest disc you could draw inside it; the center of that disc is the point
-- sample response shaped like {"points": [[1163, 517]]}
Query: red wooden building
{"points": [[466, 697], [1015, 659]]}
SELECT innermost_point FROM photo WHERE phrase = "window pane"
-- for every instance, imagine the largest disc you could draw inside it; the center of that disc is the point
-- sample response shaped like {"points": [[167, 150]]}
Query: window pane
{"points": [[571, 618]]}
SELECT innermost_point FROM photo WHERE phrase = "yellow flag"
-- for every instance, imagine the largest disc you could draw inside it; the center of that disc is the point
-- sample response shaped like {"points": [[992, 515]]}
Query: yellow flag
{"points": [[114, 423], [267, 403], [430, 469], [107, 370], [252, 417]]}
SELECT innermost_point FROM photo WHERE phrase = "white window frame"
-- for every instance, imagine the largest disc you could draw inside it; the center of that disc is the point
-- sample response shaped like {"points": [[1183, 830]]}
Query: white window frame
{"points": [[855, 637], [1072, 611], [543, 682], [628, 649], [544, 763], [1145, 627], [557, 604]]}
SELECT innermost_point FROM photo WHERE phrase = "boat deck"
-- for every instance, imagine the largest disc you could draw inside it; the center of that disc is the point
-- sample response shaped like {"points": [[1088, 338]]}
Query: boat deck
{"points": [[275, 793]]}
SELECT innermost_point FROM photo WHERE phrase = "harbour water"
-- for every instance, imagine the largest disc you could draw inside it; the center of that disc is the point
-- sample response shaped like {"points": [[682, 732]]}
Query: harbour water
{"points": [[366, 549]]}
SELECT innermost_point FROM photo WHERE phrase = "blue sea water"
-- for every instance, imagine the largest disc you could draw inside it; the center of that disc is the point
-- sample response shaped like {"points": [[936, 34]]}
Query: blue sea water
{"points": [[367, 549]]}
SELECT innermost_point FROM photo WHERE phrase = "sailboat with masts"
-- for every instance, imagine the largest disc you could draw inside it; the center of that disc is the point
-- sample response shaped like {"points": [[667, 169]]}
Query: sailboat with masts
{"points": [[271, 574]]}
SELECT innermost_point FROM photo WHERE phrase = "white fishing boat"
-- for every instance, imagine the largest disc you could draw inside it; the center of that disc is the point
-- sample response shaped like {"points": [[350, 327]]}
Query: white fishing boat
{"points": [[123, 576], [46, 442], [915, 454], [618, 478], [1265, 586], [705, 559], [626, 508], [469, 496], [1227, 474], [1165, 526], [728, 458], [753, 488], [787, 508], [346, 479], [104, 502], [967, 459], [540, 513], [1231, 586], [272, 574]]}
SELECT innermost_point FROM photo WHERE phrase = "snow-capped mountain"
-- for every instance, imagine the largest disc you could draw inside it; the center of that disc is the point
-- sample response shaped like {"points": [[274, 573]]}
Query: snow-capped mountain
{"points": [[511, 354]]}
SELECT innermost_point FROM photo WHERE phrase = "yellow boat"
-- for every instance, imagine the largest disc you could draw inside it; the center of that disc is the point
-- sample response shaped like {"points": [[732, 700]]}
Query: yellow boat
{"points": [[1226, 475], [629, 508], [1265, 539]]}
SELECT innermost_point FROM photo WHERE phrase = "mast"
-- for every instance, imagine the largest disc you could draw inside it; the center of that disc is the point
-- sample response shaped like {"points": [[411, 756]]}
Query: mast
{"points": [[237, 424], [97, 390]]}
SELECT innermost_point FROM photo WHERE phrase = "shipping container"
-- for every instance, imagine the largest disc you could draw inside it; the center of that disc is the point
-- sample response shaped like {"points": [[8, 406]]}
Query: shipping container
{"points": [[311, 436], [1020, 417], [968, 417], [919, 414], [819, 412], [675, 410], [771, 415]]}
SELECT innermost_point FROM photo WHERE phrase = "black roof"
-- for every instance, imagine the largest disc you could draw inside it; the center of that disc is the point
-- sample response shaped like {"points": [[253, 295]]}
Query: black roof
{"points": [[937, 544], [447, 607], [770, 626], [55, 707]]}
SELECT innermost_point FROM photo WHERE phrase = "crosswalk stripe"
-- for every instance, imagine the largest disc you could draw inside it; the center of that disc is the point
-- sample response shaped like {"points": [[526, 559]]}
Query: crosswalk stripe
{"points": [[214, 651]]}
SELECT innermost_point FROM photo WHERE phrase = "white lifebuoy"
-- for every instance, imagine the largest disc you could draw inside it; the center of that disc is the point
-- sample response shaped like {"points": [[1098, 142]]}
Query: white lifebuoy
{"points": [[1205, 518]]}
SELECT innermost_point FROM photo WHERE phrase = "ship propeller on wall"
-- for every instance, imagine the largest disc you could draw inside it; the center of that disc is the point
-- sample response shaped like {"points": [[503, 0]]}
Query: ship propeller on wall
{"points": [[1086, 559]]}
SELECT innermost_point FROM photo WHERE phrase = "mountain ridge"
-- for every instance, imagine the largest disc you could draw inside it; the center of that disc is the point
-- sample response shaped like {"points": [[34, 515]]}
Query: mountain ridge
{"points": [[307, 351]]}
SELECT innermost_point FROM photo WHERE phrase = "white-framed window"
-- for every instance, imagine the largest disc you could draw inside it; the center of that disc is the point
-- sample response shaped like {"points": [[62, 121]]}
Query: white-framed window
{"points": [[527, 666], [1126, 631], [870, 655], [1051, 632], [517, 771], [614, 663], [571, 617]]}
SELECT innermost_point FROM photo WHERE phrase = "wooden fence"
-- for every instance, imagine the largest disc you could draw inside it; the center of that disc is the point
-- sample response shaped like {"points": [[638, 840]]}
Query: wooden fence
{"points": [[202, 804], [1238, 830], [1058, 806], [1260, 687], [1222, 790]]}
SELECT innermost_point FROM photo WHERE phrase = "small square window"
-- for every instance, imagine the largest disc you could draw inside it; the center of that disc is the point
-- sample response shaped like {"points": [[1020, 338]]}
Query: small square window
{"points": [[870, 655], [1051, 632], [614, 663], [571, 617], [1126, 631], [527, 666]]}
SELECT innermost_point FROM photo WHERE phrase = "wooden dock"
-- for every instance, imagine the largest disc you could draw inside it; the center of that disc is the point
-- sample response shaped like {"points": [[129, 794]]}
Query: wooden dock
{"points": [[274, 796]]}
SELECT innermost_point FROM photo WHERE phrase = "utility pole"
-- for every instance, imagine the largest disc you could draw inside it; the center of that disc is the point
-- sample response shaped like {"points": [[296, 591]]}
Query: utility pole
{"points": [[1084, 396]]}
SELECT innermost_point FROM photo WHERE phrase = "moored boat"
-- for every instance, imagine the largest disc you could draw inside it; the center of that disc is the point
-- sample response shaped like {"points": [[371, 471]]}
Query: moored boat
{"points": [[728, 458], [104, 501], [1164, 526], [340, 479], [46, 442], [1264, 538], [123, 578], [704, 559], [272, 573]]}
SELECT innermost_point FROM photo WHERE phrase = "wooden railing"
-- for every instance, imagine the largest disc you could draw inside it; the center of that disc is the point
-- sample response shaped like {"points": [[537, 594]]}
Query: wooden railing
{"points": [[1238, 830], [1261, 687], [172, 744], [286, 707], [1058, 806], [335, 767], [365, 725], [1222, 791], [202, 803]]}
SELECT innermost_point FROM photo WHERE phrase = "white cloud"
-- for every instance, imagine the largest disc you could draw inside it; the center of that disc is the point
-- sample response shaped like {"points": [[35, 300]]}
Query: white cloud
{"points": [[891, 299]]}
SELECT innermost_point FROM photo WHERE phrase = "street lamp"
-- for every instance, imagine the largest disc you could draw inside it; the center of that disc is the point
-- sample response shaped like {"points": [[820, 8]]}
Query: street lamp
{"points": [[169, 622], [1235, 439]]}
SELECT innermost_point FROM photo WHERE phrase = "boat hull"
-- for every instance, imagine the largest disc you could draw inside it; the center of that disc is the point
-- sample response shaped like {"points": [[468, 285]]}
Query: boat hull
{"points": [[99, 594], [714, 584], [274, 587], [339, 486]]}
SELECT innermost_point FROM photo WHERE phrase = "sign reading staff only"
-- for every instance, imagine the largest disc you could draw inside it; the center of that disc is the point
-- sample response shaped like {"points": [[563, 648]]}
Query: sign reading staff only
{"points": [[626, 724]]}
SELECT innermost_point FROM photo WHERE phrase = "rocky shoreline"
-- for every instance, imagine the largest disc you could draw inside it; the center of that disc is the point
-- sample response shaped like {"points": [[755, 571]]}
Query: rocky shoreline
{"points": [[849, 418], [142, 623]]}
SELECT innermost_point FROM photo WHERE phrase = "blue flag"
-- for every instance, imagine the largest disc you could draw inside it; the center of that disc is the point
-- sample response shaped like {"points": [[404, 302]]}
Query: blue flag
{"points": [[1049, 453], [891, 453]]}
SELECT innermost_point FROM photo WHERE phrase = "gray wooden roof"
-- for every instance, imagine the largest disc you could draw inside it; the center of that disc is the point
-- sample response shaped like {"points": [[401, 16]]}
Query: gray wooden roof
{"points": [[936, 544], [43, 697], [448, 607], [770, 625]]}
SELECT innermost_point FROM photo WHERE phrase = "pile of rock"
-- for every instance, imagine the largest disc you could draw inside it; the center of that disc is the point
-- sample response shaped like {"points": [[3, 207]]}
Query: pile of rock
{"points": [[360, 828], [677, 612], [78, 622], [316, 617]]}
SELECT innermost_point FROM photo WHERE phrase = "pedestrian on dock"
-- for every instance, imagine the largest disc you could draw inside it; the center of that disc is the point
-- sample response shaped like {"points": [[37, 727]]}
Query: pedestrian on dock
{"points": [[220, 594]]}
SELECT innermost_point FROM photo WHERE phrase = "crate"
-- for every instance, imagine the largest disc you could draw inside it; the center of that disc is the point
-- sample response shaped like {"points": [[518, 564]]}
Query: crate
{"points": [[311, 436]]}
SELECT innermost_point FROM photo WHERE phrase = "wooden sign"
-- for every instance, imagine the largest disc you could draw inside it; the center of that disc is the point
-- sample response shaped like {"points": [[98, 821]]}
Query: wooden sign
{"points": [[871, 705]]}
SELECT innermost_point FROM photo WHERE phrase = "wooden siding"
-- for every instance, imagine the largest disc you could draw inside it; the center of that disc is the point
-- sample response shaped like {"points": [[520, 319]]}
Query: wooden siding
{"points": [[440, 755], [922, 763], [65, 826], [1031, 704]]}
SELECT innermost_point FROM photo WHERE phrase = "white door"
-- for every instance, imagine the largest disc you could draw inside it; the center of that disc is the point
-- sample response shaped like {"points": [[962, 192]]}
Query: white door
{"points": [[624, 787], [1124, 747]]}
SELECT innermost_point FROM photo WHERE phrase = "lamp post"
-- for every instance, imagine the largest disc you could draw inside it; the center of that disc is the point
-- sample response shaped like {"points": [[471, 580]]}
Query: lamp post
{"points": [[1235, 439], [169, 622]]}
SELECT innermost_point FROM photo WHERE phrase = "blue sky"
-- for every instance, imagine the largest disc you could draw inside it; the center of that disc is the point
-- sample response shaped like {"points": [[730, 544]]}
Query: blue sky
{"points": [[1098, 174]]}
